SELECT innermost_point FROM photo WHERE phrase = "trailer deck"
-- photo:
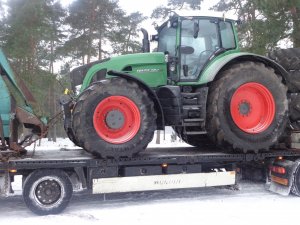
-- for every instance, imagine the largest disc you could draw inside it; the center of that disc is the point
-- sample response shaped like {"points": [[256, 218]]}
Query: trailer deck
{"points": [[60, 172]]}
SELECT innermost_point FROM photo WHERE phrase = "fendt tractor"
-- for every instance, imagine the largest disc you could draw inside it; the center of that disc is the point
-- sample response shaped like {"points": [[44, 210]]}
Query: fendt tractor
{"points": [[18, 113], [197, 81]]}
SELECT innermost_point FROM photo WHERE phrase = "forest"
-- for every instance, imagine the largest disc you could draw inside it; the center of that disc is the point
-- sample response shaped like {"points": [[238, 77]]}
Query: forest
{"points": [[40, 35]]}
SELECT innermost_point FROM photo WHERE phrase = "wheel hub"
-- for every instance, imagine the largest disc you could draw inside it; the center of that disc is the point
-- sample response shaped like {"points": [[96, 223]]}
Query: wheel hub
{"points": [[244, 108], [48, 192], [115, 119], [252, 108]]}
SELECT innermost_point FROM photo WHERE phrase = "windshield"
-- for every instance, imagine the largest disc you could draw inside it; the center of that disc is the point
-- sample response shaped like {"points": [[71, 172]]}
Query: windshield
{"points": [[167, 40]]}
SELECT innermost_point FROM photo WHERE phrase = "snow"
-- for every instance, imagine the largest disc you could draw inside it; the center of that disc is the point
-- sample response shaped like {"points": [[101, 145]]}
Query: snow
{"points": [[251, 204], [67, 144]]}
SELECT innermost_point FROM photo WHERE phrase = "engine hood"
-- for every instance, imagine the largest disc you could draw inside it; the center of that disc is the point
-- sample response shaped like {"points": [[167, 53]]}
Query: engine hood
{"points": [[143, 65]]}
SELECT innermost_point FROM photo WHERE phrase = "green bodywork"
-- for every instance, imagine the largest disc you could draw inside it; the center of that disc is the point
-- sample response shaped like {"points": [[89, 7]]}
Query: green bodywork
{"points": [[149, 67], [152, 68], [5, 102]]}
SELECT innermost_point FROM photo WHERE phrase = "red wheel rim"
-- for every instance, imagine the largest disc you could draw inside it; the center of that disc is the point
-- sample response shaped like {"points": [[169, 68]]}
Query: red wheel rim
{"points": [[117, 119], [252, 108]]}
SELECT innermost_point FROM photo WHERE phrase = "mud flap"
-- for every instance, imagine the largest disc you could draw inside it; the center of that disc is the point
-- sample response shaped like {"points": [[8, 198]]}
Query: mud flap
{"points": [[4, 184], [282, 189]]}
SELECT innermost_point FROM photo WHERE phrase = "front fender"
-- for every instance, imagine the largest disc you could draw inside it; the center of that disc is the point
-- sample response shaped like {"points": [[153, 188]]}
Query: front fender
{"points": [[223, 62]]}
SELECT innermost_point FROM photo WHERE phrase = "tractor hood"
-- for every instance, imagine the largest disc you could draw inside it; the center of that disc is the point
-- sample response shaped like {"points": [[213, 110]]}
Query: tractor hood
{"points": [[149, 67]]}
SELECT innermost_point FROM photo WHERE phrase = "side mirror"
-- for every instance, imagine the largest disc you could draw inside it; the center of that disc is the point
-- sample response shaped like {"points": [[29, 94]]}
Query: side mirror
{"points": [[154, 37], [196, 29]]}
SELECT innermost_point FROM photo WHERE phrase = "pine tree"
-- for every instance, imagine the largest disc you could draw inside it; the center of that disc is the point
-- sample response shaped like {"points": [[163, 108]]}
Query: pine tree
{"points": [[162, 11], [90, 22], [124, 38], [264, 22]]}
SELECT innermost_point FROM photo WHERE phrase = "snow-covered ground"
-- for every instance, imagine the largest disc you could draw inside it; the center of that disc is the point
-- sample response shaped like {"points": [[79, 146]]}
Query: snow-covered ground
{"points": [[252, 204]]}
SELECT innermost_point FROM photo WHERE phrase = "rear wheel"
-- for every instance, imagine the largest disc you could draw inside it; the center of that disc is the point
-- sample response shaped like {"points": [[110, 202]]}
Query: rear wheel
{"points": [[247, 107], [114, 118], [288, 58]]}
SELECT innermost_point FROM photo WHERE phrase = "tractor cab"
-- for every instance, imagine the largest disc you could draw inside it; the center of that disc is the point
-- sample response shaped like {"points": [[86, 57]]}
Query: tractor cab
{"points": [[193, 42]]}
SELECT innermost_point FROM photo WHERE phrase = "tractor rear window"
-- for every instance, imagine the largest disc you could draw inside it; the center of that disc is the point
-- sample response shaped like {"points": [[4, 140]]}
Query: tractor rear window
{"points": [[227, 35]]}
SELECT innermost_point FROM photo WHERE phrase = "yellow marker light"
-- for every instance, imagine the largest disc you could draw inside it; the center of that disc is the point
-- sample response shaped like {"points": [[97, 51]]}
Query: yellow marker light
{"points": [[164, 165], [280, 180], [67, 91], [12, 171]]}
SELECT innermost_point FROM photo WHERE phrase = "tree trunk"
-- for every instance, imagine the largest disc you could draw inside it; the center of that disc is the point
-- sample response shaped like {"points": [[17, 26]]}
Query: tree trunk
{"points": [[100, 49], [158, 137], [296, 26]]}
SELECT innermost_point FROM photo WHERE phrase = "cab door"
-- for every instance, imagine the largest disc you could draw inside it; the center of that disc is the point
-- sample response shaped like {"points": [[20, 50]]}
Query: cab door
{"points": [[199, 40]]}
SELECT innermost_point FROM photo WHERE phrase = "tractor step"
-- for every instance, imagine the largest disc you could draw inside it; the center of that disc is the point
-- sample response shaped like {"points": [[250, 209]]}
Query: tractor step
{"points": [[195, 132], [193, 120], [192, 107], [192, 124]]}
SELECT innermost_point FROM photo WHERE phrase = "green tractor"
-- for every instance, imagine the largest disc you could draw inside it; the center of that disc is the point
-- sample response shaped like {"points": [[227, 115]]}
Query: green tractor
{"points": [[197, 81], [16, 112]]}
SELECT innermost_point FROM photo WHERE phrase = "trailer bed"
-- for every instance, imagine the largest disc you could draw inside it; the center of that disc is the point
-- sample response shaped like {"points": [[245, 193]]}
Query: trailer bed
{"points": [[171, 155]]}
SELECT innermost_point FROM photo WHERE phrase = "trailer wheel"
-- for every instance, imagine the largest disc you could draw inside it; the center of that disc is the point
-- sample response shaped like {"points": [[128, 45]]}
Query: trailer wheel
{"points": [[247, 108], [114, 118], [47, 191], [288, 58]]}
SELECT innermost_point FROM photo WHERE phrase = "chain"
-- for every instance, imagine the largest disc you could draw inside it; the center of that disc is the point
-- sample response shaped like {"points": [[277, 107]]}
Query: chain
{"points": [[51, 123]]}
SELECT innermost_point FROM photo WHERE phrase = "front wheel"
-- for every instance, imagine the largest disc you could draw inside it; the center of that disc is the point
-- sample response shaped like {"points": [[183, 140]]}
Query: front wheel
{"points": [[114, 118], [247, 108]]}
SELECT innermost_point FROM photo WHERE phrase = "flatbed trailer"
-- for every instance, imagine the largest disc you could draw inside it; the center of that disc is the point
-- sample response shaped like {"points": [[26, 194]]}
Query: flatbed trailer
{"points": [[51, 177]]}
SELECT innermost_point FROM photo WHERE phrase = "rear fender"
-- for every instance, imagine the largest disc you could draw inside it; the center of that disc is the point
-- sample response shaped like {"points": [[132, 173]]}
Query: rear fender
{"points": [[213, 70]]}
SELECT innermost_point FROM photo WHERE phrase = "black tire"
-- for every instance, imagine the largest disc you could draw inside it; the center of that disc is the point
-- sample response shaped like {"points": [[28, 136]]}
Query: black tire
{"points": [[38, 183], [295, 189], [288, 58], [220, 125], [85, 107], [71, 136], [293, 81], [200, 140]]}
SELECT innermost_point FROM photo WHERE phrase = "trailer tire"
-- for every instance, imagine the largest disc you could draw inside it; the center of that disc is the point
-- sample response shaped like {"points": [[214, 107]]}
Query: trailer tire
{"points": [[296, 182], [247, 108], [288, 58], [47, 191], [114, 118]]}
